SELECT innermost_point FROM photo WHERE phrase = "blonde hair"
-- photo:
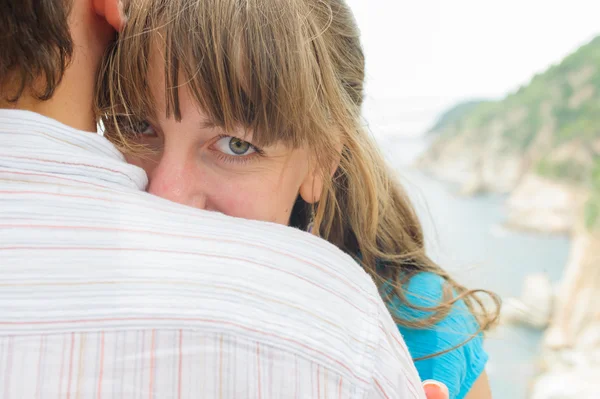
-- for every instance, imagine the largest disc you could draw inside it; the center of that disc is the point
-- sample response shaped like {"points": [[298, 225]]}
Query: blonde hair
{"points": [[290, 71]]}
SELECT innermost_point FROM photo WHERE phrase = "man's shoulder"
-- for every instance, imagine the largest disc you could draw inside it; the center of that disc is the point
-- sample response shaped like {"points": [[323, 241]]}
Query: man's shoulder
{"points": [[84, 250], [171, 230], [104, 259]]}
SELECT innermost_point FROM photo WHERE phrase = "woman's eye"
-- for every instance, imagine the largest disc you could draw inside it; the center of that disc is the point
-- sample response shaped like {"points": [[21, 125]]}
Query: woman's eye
{"points": [[234, 146]]}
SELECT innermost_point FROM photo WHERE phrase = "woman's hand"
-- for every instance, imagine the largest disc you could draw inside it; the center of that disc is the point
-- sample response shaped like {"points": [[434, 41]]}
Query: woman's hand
{"points": [[435, 390]]}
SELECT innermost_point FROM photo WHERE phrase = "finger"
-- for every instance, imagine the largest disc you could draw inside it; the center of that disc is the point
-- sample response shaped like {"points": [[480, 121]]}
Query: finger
{"points": [[435, 390]]}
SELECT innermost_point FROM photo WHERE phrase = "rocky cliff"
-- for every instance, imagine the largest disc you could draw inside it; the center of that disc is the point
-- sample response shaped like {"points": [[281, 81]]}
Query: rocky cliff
{"points": [[541, 146], [549, 128], [570, 354]]}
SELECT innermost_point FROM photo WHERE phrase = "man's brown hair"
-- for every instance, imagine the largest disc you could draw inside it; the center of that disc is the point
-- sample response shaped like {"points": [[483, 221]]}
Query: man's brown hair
{"points": [[35, 47]]}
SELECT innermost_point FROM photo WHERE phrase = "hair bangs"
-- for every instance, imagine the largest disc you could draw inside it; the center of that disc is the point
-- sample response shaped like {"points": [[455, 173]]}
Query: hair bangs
{"points": [[247, 64]]}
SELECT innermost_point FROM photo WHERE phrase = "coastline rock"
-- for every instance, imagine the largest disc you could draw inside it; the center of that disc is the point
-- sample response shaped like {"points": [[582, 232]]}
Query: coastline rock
{"points": [[534, 307], [474, 186], [543, 205], [571, 346], [476, 169]]}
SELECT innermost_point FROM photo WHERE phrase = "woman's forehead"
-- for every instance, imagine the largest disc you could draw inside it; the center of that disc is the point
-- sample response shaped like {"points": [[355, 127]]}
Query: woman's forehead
{"points": [[237, 74]]}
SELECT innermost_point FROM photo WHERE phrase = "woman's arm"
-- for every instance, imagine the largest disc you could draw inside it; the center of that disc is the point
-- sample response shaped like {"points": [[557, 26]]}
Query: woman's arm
{"points": [[480, 389], [462, 369]]}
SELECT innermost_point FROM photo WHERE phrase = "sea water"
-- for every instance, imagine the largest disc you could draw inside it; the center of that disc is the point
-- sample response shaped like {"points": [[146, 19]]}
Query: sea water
{"points": [[466, 236]]}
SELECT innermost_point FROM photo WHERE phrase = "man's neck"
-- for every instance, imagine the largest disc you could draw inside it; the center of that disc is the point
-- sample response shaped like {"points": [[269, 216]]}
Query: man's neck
{"points": [[71, 104]]}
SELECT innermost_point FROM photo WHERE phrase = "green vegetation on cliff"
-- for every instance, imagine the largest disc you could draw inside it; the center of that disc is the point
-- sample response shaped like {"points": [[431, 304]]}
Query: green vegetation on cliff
{"points": [[553, 122], [455, 115], [592, 208], [565, 99]]}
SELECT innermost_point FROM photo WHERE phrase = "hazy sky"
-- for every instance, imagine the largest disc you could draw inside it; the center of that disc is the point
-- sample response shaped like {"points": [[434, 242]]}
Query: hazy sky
{"points": [[428, 54]]}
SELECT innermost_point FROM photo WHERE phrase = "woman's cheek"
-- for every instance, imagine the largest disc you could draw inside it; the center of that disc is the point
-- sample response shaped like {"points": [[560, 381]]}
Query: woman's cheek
{"points": [[253, 200]]}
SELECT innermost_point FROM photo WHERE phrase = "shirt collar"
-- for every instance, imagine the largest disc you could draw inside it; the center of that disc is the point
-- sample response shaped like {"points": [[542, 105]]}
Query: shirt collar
{"points": [[37, 143]]}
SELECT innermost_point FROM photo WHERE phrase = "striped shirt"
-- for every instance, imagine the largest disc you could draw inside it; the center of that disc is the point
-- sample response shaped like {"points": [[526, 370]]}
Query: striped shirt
{"points": [[109, 292]]}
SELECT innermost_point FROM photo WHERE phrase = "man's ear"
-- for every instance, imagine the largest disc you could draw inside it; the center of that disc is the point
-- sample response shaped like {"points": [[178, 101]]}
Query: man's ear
{"points": [[112, 11]]}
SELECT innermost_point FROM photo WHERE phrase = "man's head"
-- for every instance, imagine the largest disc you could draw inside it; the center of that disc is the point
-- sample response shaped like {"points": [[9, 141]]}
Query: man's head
{"points": [[35, 47], [52, 48]]}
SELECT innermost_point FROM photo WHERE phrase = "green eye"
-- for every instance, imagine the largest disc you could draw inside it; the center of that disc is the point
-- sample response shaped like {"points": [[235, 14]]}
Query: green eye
{"points": [[234, 146], [239, 147]]}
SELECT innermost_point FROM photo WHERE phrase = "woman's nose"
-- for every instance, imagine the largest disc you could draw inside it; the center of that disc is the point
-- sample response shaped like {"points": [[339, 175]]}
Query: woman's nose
{"points": [[177, 181]]}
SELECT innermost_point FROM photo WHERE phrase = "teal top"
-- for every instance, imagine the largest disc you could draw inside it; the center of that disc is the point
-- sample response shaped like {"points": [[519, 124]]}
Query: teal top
{"points": [[459, 368]]}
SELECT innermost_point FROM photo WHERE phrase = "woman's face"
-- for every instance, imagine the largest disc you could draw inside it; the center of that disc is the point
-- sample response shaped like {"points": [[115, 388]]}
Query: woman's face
{"points": [[197, 164]]}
